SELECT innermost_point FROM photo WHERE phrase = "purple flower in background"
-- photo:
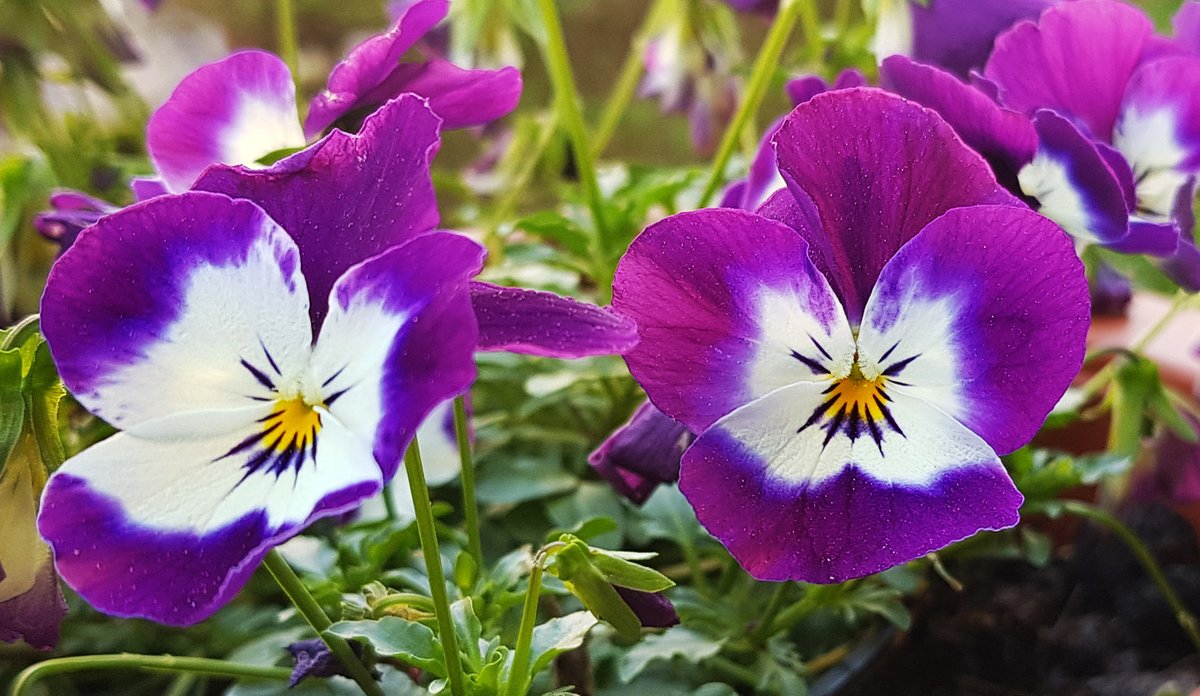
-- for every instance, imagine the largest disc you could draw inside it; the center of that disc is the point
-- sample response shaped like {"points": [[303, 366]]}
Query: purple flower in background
{"points": [[652, 609], [243, 108], [70, 213], [1117, 114], [763, 178], [31, 602], [642, 454], [373, 73], [1174, 474], [956, 35], [254, 397], [856, 355]]}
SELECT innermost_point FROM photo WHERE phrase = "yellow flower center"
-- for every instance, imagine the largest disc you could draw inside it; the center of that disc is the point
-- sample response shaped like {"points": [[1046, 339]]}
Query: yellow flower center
{"points": [[856, 395], [292, 426]]}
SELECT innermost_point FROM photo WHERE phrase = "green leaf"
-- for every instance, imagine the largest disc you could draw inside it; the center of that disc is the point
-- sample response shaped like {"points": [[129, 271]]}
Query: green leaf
{"points": [[555, 227], [620, 571], [44, 391], [573, 565], [410, 641], [559, 635], [12, 403], [507, 482], [467, 630], [668, 516], [465, 571], [1163, 411], [675, 642]]}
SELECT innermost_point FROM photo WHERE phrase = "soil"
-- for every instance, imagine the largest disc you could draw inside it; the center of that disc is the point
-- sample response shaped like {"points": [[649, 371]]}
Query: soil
{"points": [[1090, 623]]}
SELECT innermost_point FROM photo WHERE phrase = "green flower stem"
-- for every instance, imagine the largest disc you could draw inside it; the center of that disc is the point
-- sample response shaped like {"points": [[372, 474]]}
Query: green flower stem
{"points": [[144, 663], [1187, 621], [433, 566], [814, 42], [760, 78], [285, 31], [570, 115], [767, 622], [312, 612], [520, 181], [517, 675], [470, 504], [389, 504], [1098, 381], [627, 83]]}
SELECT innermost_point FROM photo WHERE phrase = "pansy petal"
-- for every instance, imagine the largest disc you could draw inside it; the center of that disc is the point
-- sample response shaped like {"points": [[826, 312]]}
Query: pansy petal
{"points": [[146, 187], [1146, 237], [642, 453], [750, 313], [460, 97], [951, 324], [762, 180], [1073, 183], [534, 322], [317, 194], [170, 529], [958, 34], [204, 307], [1159, 126], [370, 63], [1076, 60], [791, 503], [399, 339], [1187, 26], [234, 111], [877, 169], [31, 603], [1005, 138], [36, 615]]}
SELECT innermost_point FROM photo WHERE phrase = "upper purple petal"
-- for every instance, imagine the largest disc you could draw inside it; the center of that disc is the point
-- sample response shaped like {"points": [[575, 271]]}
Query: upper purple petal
{"points": [[542, 323], [233, 111], [957, 35], [348, 197], [642, 453], [1004, 137], [1075, 60], [874, 169]]}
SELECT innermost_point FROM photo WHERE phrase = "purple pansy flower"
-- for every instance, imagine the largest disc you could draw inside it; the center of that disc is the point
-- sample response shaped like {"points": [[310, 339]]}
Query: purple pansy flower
{"points": [[1117, 122], [642, 454], [956, 35], [70, 212], [249, 406], [243, 108], [857, 355]]}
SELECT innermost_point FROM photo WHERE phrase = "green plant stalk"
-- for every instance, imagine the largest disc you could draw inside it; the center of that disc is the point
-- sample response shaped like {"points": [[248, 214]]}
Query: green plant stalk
{"points": [[144, 663], [760, 78], [433, 567], [1098, 381], [470, 504], [1187, 621], [570, 115], [521, 179], [627, 83], [814, 42], [767, 622], [389, 505], [285, 31], [312, 612], [517, 675]]}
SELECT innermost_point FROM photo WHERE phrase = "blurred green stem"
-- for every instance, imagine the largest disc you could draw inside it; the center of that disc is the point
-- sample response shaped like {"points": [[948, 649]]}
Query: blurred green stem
{"points": [[470, 504], [433, 566], [570, 115], [1098, 381], [767, 621], [285, 30], [312, 612], [144, 663], [627, 83], [814, 42], [1187, 621], [520, 181], [760, 78], [518, 674]]}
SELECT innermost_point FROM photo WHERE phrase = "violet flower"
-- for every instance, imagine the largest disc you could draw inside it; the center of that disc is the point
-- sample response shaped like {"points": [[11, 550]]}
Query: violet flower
{"points": [[642, 454], [243, 108], [1117, 114], [255, 393], [955, 35], [855, 356], [652, 609], [70, 213]]}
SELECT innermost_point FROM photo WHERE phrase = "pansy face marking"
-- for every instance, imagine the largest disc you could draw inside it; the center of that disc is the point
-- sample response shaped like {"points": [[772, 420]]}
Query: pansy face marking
{"points": [[855, 356]]}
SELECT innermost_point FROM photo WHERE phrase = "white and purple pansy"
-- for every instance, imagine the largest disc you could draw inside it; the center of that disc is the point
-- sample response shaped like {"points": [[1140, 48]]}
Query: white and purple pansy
{"points": [[1117, 113], [244, 416], [241, 109], [855, 356]]}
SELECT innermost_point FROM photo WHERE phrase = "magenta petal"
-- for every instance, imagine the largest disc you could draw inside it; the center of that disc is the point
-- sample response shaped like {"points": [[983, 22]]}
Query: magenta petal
{"points": [[348, 197], [542, 323], [1187, 26], [147, 187], [460, 97], [34, 616], [957, 35], [643, 453], [1162, 95], [233, 111], [1076, 60], [876, 169], [1005, 138]]}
